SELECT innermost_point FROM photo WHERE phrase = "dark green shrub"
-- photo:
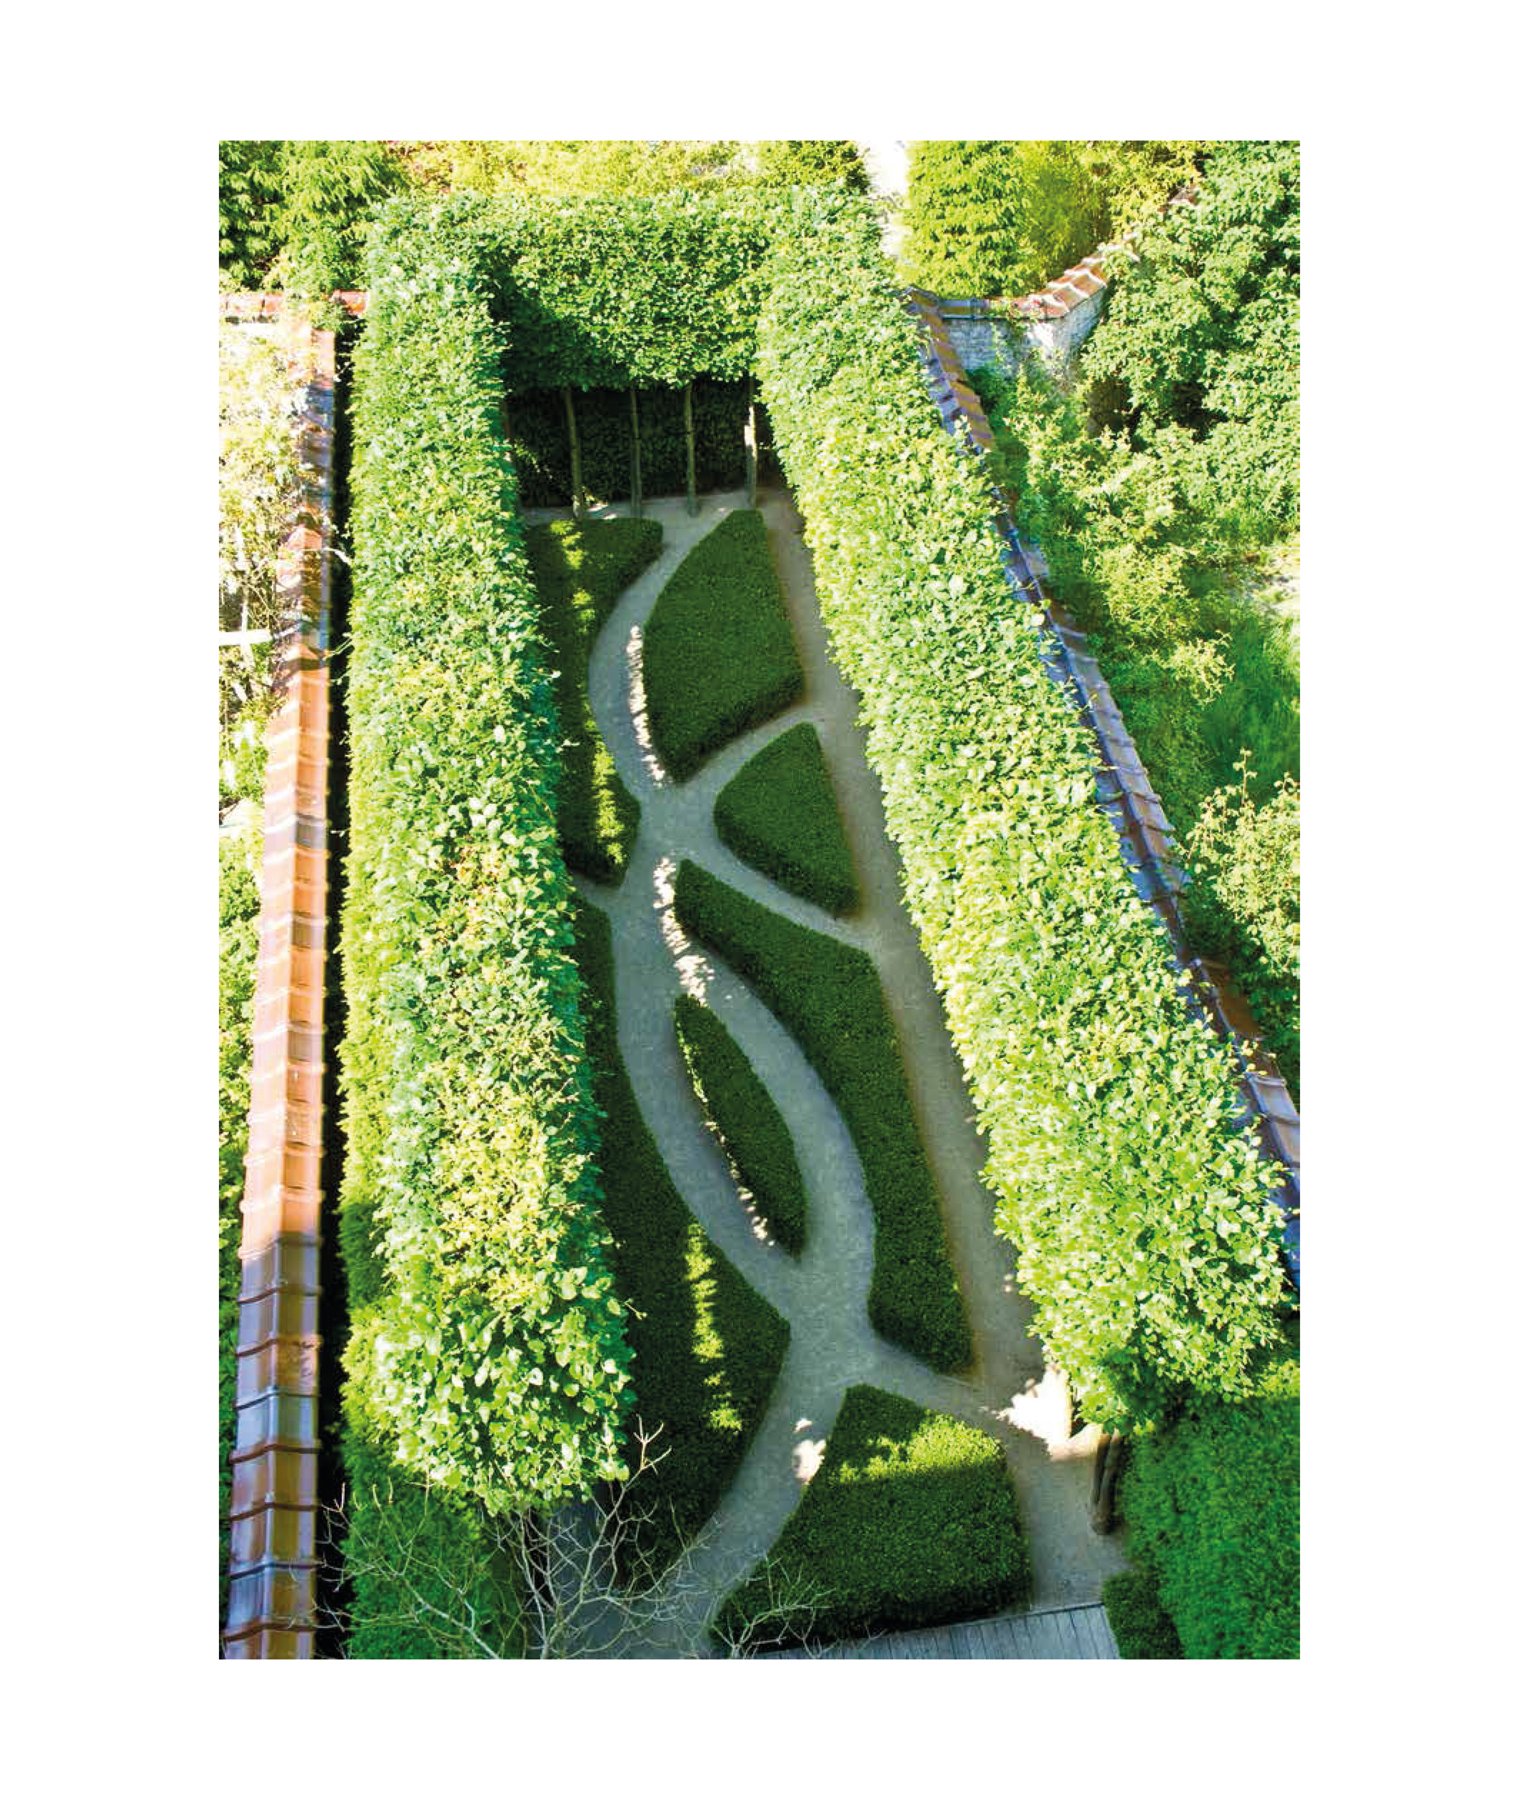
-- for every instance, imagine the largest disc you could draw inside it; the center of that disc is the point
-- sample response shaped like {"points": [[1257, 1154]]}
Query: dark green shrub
{"points": [[707, 1348], [750, 1124], [1141, 1625], [828, 995], [910, 1521], [492, 1362], [579, 572], [718, 656], [1211, 1502], [779, 814]]}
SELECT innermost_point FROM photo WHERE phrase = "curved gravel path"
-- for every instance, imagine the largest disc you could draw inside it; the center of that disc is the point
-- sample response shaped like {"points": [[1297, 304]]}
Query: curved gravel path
{"points": [[823, 1292]]}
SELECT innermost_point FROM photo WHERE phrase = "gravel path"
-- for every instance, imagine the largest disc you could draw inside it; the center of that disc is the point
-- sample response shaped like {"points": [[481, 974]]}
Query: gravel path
{"points": [[823, 1292]]}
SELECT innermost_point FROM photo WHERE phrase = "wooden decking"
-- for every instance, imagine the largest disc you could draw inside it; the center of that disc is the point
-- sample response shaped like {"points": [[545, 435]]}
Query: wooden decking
{"points": [[1068, 1633]]}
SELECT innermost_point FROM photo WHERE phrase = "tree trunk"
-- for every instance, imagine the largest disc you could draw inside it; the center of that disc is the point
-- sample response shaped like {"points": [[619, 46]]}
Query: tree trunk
{"points": [[1105, 1470], [577, 487], [690, 453], [751, 447], [637, 483]]}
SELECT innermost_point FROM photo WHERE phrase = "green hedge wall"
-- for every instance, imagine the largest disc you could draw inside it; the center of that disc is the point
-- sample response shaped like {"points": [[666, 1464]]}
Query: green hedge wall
{"points": [[748, 1121], [579, 571], [1146, 1237], [828, 995], [540, 444], [718, 654], [1211, 1500], [492, 1362], [708, 1347], [779, 815], [1142, 1628], [910, 1521]]}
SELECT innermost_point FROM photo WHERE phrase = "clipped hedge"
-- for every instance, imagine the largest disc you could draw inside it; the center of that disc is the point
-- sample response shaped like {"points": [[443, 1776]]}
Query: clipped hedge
{"points": [[540, 445], [910, 1521], [1146, 1238], [718, 656], [579, 572], [1142, 1628], [828, 995], [779, 815], [747, 1120], [1211, 1501], [491, 1362], [708, 1347]]}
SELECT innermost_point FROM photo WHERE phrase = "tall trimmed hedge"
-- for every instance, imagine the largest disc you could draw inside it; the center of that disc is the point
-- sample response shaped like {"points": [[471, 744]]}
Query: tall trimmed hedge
{"points": [[1146, 1237], [492, 1361]]}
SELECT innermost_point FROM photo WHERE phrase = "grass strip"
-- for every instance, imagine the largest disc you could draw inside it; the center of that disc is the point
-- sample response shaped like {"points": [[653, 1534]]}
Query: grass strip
{"points": [[579, 571], [779, 815], [718, 656], [707, 1348], [828, 995], [748, 1121], [910, 1521]]}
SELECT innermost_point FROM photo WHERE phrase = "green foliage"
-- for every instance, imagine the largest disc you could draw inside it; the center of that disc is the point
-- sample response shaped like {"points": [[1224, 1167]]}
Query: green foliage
{"points": [[910, 1521], [425, 1572], [540, 444], [828, 996], [779, 814], [718, 656], [707, 1347], [1141, 1625], [493, 1361], [237, 864], [1245, 905], [571, 167], [997, 218], [748, 1121], [579, 571], [296, 214], [806, 162], [1136, 177], [1211, 1502], [1147, 1241]]}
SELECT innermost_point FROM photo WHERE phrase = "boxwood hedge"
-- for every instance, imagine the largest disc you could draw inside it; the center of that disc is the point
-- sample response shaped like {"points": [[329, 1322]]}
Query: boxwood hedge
{"points": [[779, 815], [579, 571], [910, 1521], [708, 1347], [492, 1360], [718, 655], [747, 1120], [828, 995]]}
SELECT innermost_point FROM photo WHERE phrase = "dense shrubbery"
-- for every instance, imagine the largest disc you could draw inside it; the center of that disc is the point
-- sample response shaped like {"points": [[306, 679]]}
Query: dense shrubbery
{"points": [[910, 1521], [718, 656], [748, 1121], [707, 1347], [828, 995], [296, 214], [1158, 528], [540, 444], [1141, 1625], [806, 162], [989, 217], [1211, 1502], [1146, 1238], [579, 570], [779, 814], [492, 1362]]}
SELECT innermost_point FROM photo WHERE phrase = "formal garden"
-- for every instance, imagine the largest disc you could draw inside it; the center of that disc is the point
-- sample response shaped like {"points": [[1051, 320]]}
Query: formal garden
{"points": [[770, 1158]]}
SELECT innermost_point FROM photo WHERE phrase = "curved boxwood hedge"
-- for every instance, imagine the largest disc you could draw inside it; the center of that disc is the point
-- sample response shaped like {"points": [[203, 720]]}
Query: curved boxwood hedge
{"points": [[1142, 1628], [718, 655], [828, 995], [707, 1346], [579, 571], [489, 1358], [779, 815], [748, 1121], [910, 1521], [1145, 1233]]}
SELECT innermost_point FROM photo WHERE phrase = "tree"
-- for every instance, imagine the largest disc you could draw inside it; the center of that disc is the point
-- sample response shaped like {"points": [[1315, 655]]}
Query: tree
{"points": [[809, 162]]}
